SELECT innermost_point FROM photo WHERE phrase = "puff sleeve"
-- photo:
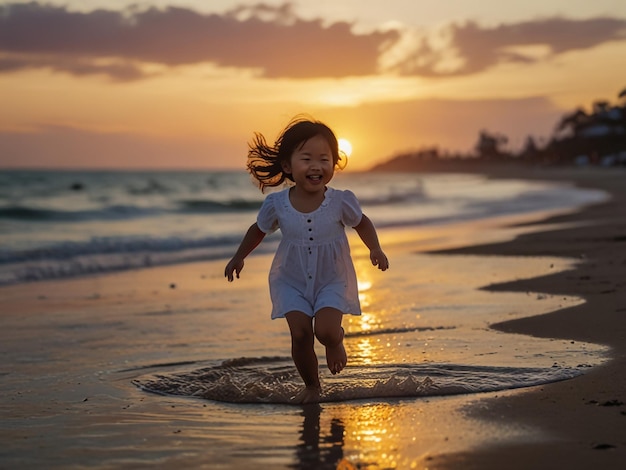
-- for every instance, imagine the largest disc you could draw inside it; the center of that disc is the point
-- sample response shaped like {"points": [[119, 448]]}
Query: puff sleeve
{"points": [[351, 212], [267, 220]]}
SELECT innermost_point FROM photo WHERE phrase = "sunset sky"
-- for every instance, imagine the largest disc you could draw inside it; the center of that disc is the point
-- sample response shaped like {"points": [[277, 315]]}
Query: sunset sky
{"points": [[186, 83]]}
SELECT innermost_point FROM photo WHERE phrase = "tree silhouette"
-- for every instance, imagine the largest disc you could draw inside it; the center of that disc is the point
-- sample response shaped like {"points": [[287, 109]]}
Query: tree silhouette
{"points": [[596, 137], [489, 145]]}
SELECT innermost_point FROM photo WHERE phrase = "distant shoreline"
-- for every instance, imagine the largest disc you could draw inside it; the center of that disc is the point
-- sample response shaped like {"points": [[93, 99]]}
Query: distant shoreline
{"points": [[504, 168]]}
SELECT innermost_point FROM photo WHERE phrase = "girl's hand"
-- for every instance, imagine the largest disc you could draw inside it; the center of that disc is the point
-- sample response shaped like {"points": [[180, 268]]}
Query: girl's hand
{"points": [[234, 265], [379, 259], [250, 241]]}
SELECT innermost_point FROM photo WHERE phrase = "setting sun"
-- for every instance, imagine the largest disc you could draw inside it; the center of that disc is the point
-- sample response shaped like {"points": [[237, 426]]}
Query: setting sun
{"points": [[345, 147]]}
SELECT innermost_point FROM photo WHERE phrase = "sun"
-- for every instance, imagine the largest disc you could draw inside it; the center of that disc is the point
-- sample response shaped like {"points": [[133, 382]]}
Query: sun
{"points": [[345, 147]]}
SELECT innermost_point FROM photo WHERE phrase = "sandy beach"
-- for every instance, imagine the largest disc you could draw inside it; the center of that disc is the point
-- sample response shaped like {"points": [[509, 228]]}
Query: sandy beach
{"points": [[586, 415], [72, 348]]}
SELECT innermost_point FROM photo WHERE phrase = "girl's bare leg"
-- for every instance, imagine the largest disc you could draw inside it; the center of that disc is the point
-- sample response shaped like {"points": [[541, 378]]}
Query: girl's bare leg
{"points": [[329, 332], [304, 357]]}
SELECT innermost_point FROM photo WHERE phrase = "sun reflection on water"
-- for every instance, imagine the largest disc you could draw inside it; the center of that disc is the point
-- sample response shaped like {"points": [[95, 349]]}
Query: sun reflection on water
{"points": [[364, 295], [365, 436], [365, 350], [365, 284], [370, 429]]}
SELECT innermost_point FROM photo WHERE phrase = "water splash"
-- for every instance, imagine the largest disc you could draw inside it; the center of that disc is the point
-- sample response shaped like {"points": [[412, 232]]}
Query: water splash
{"points": [[275, 380]]}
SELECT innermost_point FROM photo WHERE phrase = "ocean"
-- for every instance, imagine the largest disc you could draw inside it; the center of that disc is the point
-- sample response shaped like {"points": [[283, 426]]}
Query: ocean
{"points": [[59, 224], [172, 366]]}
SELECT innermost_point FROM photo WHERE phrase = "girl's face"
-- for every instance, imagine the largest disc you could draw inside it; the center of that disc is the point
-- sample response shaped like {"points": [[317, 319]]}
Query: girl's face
{"points": [[311, 164]]}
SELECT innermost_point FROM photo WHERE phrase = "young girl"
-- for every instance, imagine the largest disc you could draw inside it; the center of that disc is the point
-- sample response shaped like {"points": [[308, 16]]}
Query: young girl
{"points": [[312, 278]]}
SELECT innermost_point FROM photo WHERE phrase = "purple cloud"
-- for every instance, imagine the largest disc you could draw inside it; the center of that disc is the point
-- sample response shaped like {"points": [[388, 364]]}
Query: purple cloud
{"points": [[272, 40], [474, 48]]}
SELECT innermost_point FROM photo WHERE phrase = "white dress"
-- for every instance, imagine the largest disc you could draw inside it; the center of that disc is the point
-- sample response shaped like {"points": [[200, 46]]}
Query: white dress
{"points": [[312, 267]]}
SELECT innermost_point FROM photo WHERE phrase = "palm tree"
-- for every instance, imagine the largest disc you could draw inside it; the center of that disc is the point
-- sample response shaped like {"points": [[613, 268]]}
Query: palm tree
{"points": [[573, 122]]}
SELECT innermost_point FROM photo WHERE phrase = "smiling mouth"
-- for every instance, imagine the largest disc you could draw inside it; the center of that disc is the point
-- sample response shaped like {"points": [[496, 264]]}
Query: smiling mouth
{"points": [[315, 177]]}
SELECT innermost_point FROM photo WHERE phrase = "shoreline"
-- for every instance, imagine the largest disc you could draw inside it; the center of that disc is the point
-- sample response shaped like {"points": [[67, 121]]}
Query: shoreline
{"points": [[586, 415]]}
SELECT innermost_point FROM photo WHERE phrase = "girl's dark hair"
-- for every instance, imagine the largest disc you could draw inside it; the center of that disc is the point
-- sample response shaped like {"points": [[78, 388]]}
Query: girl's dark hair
{"points": [[265, 162]]}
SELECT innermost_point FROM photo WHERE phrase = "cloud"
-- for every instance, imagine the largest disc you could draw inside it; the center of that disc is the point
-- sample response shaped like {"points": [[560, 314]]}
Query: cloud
{"points": [[462, 49], [271, 40]]}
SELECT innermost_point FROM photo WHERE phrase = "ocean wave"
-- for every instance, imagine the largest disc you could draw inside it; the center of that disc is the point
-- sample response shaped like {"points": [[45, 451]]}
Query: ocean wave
{"points": [[406, 329], [211, 206], [395, 196], [117, 212], [48, 230], [112, 245], [72, 259], [127, 212], [181, 206]]}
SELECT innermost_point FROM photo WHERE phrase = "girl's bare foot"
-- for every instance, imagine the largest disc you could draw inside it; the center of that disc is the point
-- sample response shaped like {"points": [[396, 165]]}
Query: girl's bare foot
{"points": [[336, 357], [307, 396]]}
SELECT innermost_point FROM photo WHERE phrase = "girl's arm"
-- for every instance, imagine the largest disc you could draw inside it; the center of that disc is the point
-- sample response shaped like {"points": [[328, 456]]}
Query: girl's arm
{"points": [[250, 241], [367, 232]]}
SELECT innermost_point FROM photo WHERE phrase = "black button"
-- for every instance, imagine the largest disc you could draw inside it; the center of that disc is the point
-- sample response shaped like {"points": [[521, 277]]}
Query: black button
{"points": [[311, 238], [309, 221]]}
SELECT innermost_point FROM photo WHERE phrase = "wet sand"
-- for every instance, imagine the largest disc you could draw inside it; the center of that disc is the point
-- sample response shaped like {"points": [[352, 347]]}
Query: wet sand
{"points": [[71, 349], [585, 418]]}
